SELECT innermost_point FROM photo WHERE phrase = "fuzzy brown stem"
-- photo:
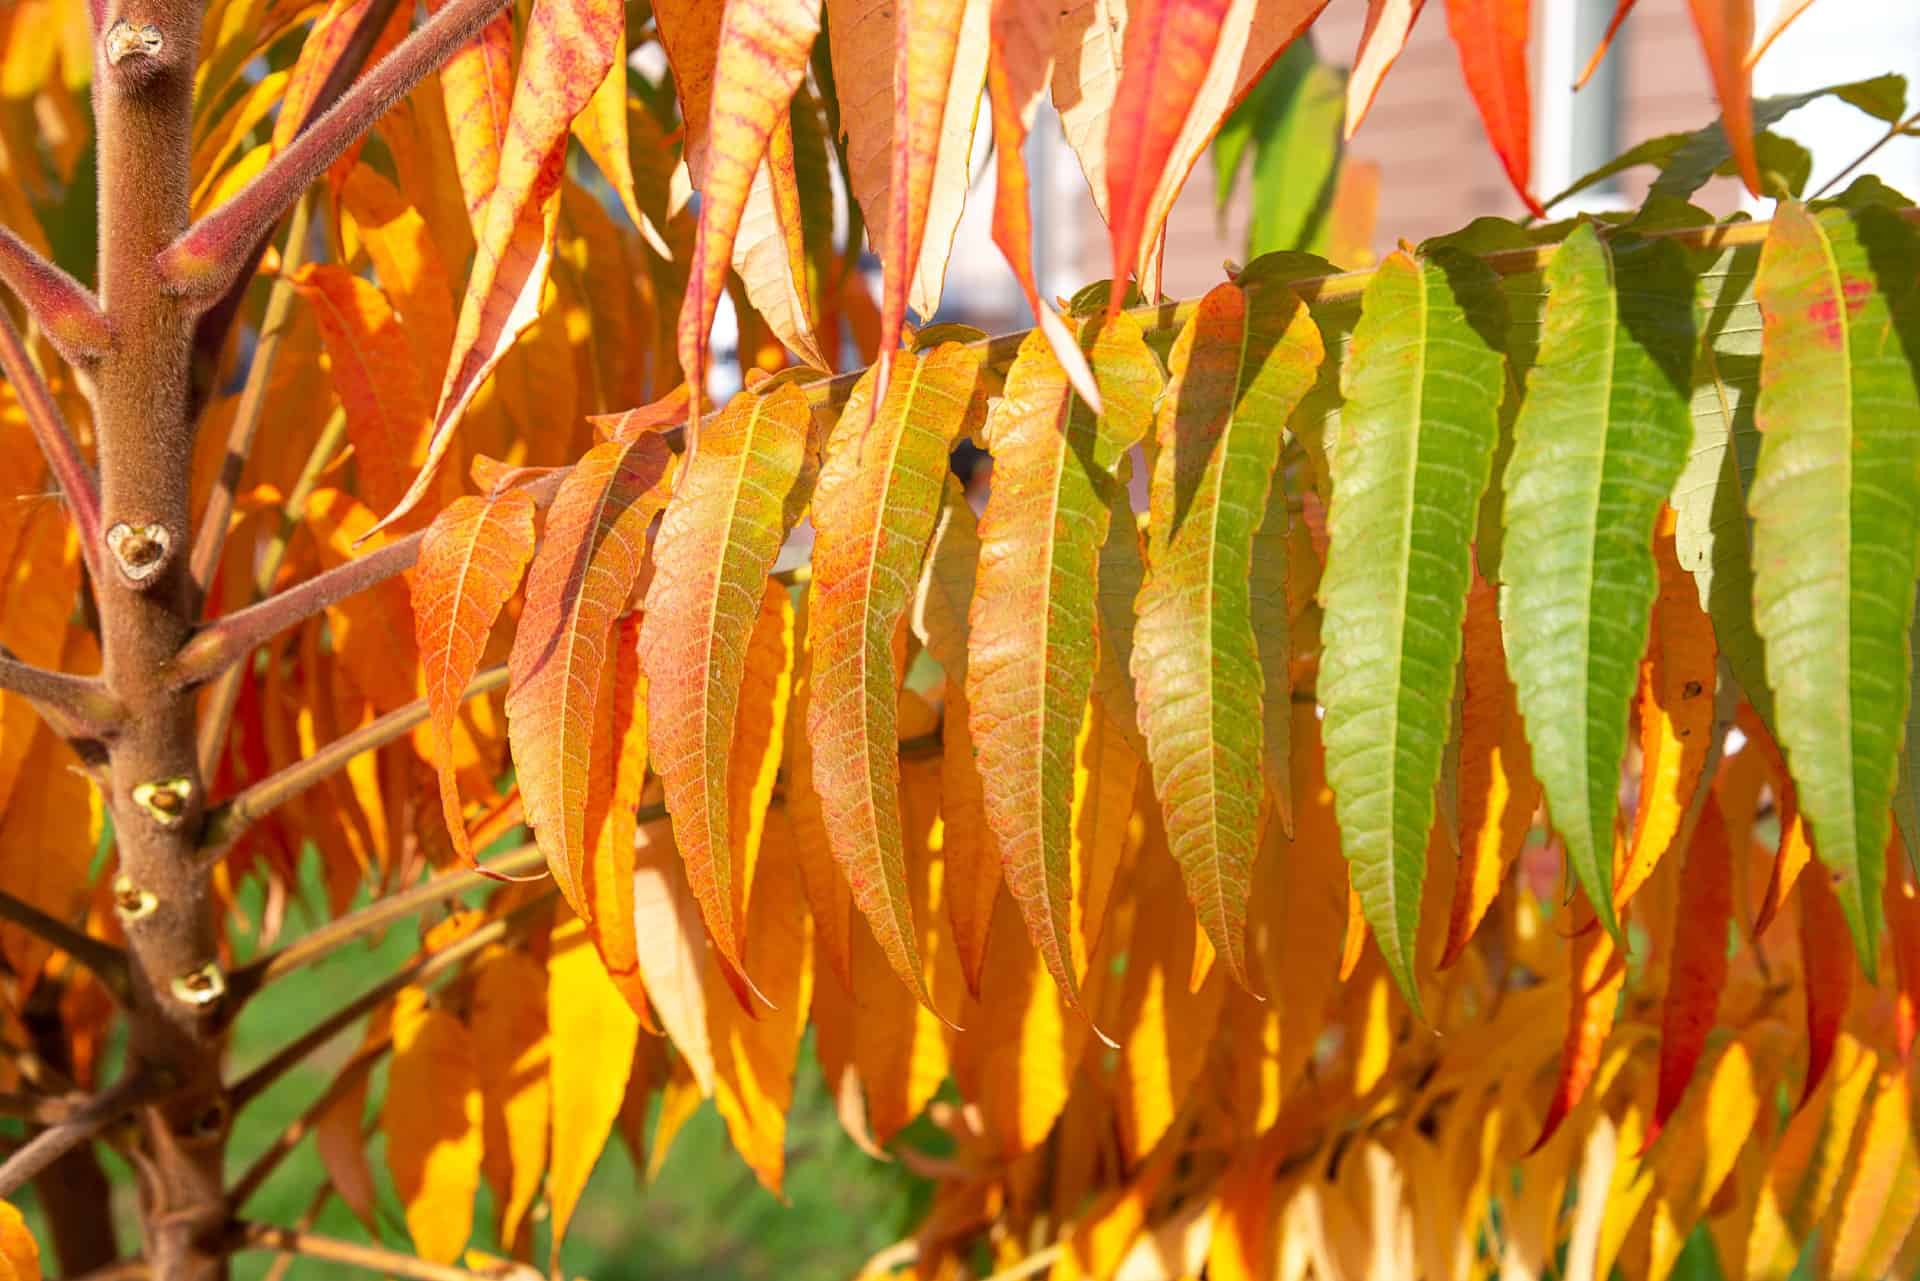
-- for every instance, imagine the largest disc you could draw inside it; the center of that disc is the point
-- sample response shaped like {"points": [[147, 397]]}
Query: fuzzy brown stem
{"points": [[82, 1127], [64, 308], [76, 704]]}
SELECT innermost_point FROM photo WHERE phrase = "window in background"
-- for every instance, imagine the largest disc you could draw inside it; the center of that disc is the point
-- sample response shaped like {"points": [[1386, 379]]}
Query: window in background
{"points": [[1577, 132]]}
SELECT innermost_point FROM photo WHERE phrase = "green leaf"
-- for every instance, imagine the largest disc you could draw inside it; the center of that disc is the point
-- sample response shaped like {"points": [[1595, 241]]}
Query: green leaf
{"points": [[1423, 384], [873, 511], [1600, 440], [1238, 369], [1837, 525], [1032, 629]]}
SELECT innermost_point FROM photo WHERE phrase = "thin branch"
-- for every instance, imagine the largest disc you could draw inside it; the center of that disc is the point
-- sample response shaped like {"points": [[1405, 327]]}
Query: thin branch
{"points": [[41, 1109], [212, 536], [370, 1258], [209, 255], [250, 1086], [231, 637], [344, 1080], [82, 704], [65, 309], [56, 1141], [217, 716], [135, 1269], [56, 442], [107, 962], [371, 919], [1894, 130], [228, 821]]}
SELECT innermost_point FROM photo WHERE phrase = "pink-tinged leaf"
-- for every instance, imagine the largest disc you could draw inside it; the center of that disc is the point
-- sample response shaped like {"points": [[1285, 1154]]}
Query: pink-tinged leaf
{"points": [[569, 45], [690, 35], [762, 56], [1491, 36], [1032, 643], [1789, 10], [1725, 28], [734, 506], [1382, 39], [1698, 970], [1826, 963], [1170, 44], [373, 370], [471, 562], [589, 561], [476, 84], [1621, 9], [1018, 71], [873, 512]]}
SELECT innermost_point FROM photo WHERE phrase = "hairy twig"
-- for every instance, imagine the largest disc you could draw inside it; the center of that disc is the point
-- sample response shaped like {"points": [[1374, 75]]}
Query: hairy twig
{"points": [[70, 470], [231, 637], [82, 704], [226, 823], [370, 1258], [373, 918], [87, 1122], [426, 968], [65, 309], [217, 716], [209, 255], [212, 535], [107, 962]]}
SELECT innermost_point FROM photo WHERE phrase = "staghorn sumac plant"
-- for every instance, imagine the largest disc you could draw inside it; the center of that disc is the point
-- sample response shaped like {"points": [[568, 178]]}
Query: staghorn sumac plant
{"points": [[1510, 666]]}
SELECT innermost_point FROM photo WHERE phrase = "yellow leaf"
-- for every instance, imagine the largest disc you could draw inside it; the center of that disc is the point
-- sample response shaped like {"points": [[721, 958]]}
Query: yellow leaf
{"points": [[1106, 833], [509, 1020], [594, 1033], [19, 1252], [432, 1122], [672, 946], [759, 730]]}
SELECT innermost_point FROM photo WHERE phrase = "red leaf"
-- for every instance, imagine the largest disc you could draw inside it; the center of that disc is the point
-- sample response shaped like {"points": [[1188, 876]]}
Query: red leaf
{"points": [[1826, 961], [1725, 28], [1902, 901], [1596, 974], [471, 562], [1491, 36], [1699, 969], [1169, 46]]}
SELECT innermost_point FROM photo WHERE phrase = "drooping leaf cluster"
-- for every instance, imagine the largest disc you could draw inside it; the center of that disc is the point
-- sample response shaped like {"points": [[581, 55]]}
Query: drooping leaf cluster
{"points": [[1389, 773]]}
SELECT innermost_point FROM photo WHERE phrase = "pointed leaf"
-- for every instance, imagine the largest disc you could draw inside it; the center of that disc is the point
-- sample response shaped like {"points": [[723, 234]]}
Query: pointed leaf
{"points": [[1827, 973], [1492, 36], [1031, 650], [1597, 972], [594, 1035], [1835, 527], [471, 561], [732, 509], [619, 772], [1698, 970], [1725, 28], [588, 563], [1381, 40], [673, 949], [1237, 370], [432, 1123], [873, 512], [1599, 442], [510, 1024], [1423, 380], [476, 84]]}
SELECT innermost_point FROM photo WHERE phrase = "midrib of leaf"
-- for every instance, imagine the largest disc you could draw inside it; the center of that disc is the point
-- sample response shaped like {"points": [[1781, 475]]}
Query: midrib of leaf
{"points": [[1396, 950]]}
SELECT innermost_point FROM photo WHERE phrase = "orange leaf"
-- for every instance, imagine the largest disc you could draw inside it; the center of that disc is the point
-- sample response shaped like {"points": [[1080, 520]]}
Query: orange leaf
{"points": [[609, 869], [1491, 36], [568, 46], [690, 35], [594, 1035], [828, 896], [471, 561], [1782, 19], [1698, 970], [1381, 40], [1597, 971], [476, 84], [1498, 792], [1169, 46], [1796, 845], [1620, 11], [432, 1122], [763, 49], [19, 1252], [409, 264], [1902, 900], [1826, 962], [735, 502], [754, 1057], [340, 1133], [1355, 940], [588, 564], [509, 1018], [759, 735], [1725, 28], [1676, 716], [1018, 70], [672, 949], [602, 130], [973, 861], [770, 254], [373, 370]]}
